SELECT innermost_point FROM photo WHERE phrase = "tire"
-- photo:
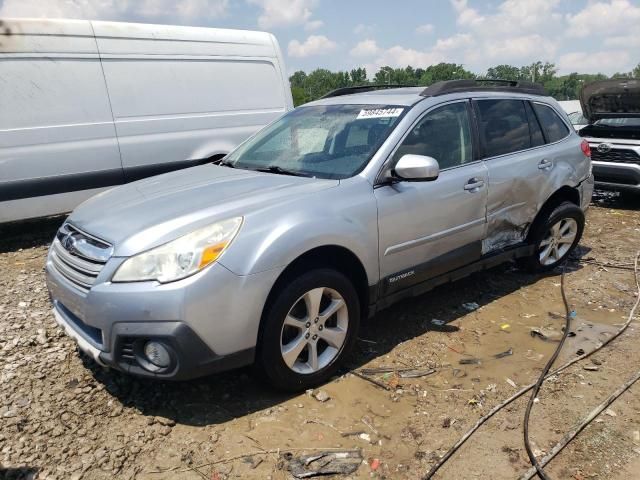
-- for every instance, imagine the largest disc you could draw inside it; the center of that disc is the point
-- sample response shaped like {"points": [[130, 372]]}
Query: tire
{"points": [[285, 349], [555, 237]]}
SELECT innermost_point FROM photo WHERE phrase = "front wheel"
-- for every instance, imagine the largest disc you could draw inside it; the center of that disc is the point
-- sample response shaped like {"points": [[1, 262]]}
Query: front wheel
{"points": [[555, 237], [308, 328]]}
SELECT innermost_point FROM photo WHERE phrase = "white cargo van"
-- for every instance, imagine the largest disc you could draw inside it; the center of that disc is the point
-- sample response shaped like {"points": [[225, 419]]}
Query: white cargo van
{"points": [[87, 105]]}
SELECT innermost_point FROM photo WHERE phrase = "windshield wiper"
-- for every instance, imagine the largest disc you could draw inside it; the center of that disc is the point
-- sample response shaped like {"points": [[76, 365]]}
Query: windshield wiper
{"points": [[223, 163], [281, 171]]}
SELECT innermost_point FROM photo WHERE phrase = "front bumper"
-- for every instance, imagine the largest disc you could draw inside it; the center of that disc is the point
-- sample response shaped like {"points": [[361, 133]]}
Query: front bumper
{"points": [[617, 176], [209, 322]]}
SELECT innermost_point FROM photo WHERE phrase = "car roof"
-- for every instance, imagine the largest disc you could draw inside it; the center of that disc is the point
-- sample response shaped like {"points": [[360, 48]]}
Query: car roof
{"points": [[409, 96], [405, 96]]}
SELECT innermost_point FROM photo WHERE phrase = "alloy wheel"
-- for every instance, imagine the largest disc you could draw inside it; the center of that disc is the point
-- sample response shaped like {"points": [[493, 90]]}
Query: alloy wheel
{"points": [[314, 330], [557, 241]]}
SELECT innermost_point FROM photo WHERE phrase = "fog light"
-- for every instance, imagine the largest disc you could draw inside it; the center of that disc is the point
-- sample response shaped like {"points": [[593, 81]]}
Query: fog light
{"points": [[157, 354]]}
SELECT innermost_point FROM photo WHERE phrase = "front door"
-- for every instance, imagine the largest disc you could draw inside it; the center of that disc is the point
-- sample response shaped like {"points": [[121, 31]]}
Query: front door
{"points": [[429, 228]]}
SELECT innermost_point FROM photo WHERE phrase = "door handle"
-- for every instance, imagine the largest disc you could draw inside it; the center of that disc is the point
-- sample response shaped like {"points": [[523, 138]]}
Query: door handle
{"points": [[474, 184], [545, 164]]}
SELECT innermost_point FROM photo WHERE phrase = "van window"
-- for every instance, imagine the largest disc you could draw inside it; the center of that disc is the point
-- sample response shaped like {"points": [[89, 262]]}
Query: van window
{"points": [[537, 138], [444, 134], [554, 128], [504, 126]]}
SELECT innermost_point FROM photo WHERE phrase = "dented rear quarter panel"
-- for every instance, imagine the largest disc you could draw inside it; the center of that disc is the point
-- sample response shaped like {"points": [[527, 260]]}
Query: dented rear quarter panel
{"points": [[518, 188]]}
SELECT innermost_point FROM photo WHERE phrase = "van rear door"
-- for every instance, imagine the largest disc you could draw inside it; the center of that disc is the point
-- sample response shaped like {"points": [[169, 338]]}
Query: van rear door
{"points": [[57, 134]]}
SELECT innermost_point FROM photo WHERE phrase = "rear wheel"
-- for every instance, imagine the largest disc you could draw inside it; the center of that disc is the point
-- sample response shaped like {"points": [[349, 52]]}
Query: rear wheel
{"points": [[555, 237], [308, 329]]}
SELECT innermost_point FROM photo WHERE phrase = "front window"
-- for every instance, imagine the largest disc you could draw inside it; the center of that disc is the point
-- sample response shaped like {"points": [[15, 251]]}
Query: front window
{"points": [[332, 141]]}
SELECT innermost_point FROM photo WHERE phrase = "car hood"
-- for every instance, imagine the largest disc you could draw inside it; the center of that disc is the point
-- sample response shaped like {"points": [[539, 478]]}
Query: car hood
{"points": [[611, 99], [150, 212]]}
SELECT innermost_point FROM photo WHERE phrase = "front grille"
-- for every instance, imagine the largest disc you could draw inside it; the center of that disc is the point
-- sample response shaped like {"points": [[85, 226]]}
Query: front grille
{"points": [[616, 155], [78, 256]]}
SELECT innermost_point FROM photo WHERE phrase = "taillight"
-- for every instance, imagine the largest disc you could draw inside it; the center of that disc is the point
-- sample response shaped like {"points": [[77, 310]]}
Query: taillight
{"points": [[586, 149]]}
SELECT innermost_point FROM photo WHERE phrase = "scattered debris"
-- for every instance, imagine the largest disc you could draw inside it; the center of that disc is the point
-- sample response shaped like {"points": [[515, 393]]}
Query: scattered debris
{"points": [[437, 322], [323, 463], [511, 382], [591, 368], [580, 352], [470, 361], [610, 412], [321, 395], [505, 327], [374, 464], [504, 354], [470, 306], [543, 335]]}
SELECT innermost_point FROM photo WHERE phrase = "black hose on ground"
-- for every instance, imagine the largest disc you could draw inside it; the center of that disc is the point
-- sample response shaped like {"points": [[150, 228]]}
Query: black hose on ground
{"points": [[482, 420], [536, 388]]}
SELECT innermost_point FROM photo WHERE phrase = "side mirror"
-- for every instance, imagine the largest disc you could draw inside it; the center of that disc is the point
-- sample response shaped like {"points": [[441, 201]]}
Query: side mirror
{"points": [[417, 168]]}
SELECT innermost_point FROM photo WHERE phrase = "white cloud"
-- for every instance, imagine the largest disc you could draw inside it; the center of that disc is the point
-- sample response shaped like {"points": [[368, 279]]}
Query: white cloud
{"points": [[313, 25], [458, 41], [314, 45], [589, 62], [398, 57], [623, 41], [184, 10], [284, 13], [365, 48], [605, 18], [425, 29]]}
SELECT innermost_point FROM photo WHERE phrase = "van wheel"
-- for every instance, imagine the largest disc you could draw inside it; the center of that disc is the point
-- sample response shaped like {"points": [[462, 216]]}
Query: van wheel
{"points": [[309, 327], [555, 238]]}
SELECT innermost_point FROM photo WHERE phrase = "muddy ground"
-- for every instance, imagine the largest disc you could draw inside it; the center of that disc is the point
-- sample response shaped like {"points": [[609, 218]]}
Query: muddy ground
{"points": [[63, 417]]}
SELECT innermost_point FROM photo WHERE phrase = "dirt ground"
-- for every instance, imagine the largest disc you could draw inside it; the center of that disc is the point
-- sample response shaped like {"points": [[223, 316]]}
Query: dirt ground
{"points": [[63, 417]]}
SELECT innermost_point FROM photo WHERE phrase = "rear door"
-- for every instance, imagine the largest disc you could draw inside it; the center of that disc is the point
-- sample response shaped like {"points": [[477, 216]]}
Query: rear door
{"points": [[518, 163], [429, 228]]}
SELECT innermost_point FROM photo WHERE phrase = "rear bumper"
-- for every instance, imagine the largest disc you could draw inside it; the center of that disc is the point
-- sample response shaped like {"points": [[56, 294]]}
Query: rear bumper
{"points": [[617, 176]]}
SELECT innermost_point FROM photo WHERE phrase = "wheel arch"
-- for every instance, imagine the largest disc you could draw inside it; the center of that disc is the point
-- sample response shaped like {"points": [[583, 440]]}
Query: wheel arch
{"points": [[563, 194], [336, 257]]}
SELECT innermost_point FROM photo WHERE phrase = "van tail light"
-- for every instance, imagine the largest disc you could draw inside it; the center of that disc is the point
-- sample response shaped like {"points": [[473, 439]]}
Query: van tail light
{"points": [[586, 149]]}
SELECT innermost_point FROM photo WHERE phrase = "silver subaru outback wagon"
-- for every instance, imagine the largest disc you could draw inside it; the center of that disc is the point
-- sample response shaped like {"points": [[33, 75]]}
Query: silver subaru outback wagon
{"points": [[341, 207]]}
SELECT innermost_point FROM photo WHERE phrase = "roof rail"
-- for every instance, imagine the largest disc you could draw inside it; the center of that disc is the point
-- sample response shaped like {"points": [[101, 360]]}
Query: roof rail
{"points": [[452, 86], [359, 89]]}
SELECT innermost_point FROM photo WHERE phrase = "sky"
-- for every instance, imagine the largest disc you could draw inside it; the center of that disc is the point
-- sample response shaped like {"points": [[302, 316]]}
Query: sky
{"points": [[585, 36]]}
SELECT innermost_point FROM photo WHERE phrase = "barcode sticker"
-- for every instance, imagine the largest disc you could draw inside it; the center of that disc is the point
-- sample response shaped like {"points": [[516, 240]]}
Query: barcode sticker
{"points": [[380, 113]]}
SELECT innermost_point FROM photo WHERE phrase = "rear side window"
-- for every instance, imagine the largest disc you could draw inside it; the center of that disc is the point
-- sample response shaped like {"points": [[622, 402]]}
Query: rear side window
{"points": [[504, 126], [537, 138], [554, 128]]}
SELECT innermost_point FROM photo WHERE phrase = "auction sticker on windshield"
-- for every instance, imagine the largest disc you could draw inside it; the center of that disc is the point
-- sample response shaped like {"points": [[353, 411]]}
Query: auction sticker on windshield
{"points": [[380, 113]]}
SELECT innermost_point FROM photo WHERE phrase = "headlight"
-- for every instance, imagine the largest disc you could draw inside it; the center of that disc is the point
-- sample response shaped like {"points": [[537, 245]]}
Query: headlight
{"points": [[182, 257]]}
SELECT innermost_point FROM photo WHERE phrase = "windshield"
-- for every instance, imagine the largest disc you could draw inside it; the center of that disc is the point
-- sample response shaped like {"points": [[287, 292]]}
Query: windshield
{"points": [[332, 141], [577, 118], [619, 122]]}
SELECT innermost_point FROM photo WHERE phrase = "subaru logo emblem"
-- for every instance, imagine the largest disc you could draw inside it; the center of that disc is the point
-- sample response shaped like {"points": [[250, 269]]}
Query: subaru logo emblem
{"points": [[604, 148], [69, 243]]}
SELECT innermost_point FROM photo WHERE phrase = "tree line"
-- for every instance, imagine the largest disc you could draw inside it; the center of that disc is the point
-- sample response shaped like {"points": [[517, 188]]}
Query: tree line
{"points": [[306, 87]]}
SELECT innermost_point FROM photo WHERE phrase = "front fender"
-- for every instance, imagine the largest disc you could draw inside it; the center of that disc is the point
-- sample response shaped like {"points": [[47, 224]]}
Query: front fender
{"points": [[275, 238]]}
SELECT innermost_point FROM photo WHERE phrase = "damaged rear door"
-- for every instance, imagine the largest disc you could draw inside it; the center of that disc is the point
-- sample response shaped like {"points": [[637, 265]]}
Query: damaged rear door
{"points": [[512, 143]]}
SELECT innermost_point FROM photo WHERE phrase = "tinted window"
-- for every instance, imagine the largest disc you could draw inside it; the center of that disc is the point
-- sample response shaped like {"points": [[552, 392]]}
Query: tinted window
{"points": [[554, 128], [503, 126], [537, 138], [444, 134]]}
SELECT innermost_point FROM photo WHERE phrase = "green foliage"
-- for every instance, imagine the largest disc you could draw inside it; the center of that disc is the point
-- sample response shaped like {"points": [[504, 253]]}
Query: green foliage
{"points": [[307, 87]]}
